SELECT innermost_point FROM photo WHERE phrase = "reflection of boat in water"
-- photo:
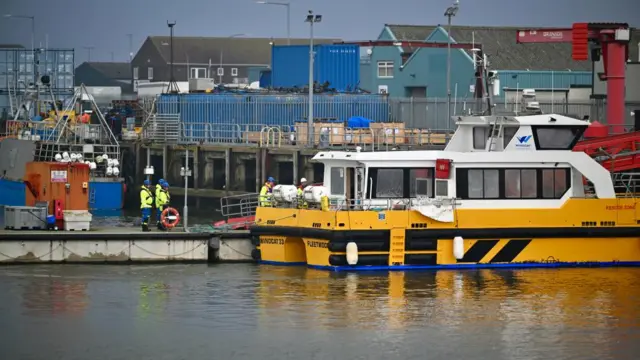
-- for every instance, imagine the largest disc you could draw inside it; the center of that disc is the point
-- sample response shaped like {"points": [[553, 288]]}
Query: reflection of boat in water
{"points": [[55, 296], [61, 136], [508, 191], [521, 299]]}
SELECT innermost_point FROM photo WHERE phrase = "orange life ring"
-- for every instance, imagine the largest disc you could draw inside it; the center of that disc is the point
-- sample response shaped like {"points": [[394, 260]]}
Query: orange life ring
{"points": [[170, 223]]}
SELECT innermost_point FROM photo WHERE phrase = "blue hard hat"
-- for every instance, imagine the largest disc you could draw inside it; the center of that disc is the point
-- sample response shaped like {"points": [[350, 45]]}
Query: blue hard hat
{"points": [[270, 179], [146, 183], [165, 184], [161, 181]]}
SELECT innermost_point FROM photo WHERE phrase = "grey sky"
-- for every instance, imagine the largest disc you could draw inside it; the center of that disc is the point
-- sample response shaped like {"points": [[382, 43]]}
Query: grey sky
{"points": [[104, 24]]}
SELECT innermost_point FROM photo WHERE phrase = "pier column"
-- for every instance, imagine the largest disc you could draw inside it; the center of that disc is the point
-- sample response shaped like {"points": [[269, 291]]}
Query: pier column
{"points": [[165, 160], [208, 171], [259, 175], [263, 167], [227, 169], [138, 166], [239, 171], [196, 167], [296, 171]]}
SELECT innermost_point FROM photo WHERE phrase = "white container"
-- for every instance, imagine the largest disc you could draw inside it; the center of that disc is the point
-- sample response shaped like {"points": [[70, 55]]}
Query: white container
{"points": [[314, 194], [285, 193], [76, 220]]}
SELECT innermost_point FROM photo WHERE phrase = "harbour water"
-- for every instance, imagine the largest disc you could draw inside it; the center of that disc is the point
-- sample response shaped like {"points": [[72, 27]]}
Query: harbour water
{"points": [[249, 311]]}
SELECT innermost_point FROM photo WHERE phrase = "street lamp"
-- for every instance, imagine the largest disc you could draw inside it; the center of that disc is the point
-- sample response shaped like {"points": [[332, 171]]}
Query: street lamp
{"points": [[185, 172], [288, 6], [311, 19], [33, 42], [451, 12], [88, 48], [222, 51]]}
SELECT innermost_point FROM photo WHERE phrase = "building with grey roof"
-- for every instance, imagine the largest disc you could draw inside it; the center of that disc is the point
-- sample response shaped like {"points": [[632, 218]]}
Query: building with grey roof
{"points": [[421, 72], [225, 59], [105, 74]]}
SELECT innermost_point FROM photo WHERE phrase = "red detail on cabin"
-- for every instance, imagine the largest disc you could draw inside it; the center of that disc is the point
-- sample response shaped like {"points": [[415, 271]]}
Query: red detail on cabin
{"points": [[443, 168]]}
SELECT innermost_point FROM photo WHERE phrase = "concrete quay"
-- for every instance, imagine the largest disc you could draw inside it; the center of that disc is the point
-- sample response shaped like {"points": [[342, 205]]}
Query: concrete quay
{"points": [[123, 246]]}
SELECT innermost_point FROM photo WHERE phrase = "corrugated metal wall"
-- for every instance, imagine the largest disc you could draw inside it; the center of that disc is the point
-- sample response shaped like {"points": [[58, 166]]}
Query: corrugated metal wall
{"points": [[543, 79], [337, 64]]}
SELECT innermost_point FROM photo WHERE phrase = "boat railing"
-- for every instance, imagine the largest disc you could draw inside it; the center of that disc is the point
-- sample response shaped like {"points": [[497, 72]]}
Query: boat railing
{"points": [[239, 206], [627, 184], [340, 204], [163, 128]]}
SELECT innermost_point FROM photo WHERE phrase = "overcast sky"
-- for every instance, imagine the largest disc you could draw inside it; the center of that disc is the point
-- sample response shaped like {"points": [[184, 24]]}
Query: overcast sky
{"points": [[103, 24]]}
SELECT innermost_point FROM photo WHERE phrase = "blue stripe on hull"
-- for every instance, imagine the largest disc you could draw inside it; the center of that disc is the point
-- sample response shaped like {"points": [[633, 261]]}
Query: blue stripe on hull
{"points": [[465, 266]]}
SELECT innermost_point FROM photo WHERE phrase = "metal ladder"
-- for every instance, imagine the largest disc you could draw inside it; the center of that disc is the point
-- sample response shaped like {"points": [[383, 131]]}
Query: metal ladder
{"points": [[496, 131], [396, 249]]}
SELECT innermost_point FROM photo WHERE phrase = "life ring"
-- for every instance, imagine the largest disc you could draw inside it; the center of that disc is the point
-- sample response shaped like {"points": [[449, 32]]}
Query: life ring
{"points": [[170, 217]]}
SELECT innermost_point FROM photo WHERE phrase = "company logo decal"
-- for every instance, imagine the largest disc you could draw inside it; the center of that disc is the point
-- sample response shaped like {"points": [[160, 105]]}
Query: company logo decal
{"points": [[523, 141]]}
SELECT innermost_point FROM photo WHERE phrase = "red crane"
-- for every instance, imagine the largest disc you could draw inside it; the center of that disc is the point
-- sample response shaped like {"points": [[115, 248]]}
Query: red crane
{"points": [[611, 40]]}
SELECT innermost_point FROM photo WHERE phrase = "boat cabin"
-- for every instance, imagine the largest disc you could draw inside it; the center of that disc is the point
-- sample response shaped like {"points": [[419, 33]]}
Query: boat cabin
{"points": [[483, 166]]}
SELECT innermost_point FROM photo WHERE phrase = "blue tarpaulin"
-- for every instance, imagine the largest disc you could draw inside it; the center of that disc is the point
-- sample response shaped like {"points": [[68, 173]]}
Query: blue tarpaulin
{"points": [[358, 122]]}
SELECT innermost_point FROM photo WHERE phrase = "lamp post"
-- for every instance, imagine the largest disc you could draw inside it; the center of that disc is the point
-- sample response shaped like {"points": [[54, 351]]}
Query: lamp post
{"points": [[311, 19], [449, 13], [185, 172], [288, 6], [33, 42], [222, 53]]}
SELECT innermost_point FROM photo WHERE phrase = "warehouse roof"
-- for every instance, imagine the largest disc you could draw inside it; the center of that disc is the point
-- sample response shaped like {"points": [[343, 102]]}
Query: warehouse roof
{"points": [[111, 70], [235, 50], [499, 43]]}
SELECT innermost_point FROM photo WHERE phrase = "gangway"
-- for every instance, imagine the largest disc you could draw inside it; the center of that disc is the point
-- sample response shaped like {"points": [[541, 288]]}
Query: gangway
{"points": [[616, 153]]}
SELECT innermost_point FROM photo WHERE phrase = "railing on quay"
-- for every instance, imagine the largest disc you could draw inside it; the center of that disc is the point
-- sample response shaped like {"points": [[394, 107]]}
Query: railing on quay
{"points": [[379, 137], [46, 131]]}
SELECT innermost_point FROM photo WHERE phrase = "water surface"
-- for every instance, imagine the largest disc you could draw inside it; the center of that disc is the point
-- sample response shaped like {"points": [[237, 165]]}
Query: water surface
{"points": [[266, 312]]}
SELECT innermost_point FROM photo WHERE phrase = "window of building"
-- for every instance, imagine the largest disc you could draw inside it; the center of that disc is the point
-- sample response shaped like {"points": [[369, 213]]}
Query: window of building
{"points": [[557, 137], [385, 69], [220, 71], [198, 73], [420, 182], [480, 135], [389, 183], [135, 73], [234, 71], [555, 183], [442, 188], [150, 73], [483, 184], [337, 181]]}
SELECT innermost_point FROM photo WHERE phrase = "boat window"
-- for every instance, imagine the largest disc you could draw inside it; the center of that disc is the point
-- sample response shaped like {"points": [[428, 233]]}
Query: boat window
{"points": [[442, 188], [508, 133], [557, 137], [480, 135], [420, 182], [555, 183], [483, 184], [337, 181], [520, 184], [389, 183]]}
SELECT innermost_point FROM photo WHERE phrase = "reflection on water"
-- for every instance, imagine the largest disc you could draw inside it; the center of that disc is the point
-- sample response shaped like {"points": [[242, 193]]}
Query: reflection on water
{"points": [[268, 312]]}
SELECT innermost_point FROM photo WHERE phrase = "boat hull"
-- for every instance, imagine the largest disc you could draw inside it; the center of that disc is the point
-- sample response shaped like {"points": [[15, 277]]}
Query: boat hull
{"points": [[583, 233], [103, 195]]}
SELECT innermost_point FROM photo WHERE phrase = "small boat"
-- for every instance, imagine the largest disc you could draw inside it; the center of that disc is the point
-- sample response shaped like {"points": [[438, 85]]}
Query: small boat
{"points": [[506, 192]]}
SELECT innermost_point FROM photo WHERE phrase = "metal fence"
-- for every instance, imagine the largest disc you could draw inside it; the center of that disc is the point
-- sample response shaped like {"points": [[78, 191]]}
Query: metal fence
{"points": [[416, 113]]}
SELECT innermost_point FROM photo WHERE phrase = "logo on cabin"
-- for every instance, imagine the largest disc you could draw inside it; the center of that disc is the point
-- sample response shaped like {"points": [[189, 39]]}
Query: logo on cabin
{"points": [[523, 141]]}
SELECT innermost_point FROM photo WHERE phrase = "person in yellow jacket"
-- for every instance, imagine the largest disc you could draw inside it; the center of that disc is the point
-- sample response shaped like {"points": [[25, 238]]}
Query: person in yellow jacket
{"points": [[301, 203], [266, 193], [161, 201], [146, 204]]}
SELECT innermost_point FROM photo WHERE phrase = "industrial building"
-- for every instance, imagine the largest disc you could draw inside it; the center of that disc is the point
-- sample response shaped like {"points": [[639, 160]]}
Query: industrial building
{"points": [[17, 72], [105, 74], [421, 72], [227, 60]]}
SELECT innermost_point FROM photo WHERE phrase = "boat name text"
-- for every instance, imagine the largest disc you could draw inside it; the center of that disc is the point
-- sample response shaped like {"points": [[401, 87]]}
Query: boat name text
{"points": [[272, 241], [318, 244], [621, 207]]}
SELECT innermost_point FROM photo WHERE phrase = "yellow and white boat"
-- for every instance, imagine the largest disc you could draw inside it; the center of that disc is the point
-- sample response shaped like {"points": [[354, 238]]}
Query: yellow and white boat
{"points": [[506, 192]]}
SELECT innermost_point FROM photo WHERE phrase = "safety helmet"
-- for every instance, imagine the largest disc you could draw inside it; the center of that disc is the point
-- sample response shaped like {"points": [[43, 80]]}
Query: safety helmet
{"points": [[270, 179], [303, 180], [146, 183], [161, 181]]}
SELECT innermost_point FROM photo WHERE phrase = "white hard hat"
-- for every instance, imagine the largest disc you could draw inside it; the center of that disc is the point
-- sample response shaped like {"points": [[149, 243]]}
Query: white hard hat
{"points": [[303, 180]]}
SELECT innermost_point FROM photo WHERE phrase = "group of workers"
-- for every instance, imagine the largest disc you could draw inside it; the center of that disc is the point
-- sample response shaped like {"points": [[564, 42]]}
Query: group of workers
{"points": [[157, 198], [266, 193]]}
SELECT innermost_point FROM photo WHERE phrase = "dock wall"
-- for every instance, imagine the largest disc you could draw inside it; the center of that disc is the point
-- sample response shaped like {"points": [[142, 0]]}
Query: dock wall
{"points": [[122, 247]]}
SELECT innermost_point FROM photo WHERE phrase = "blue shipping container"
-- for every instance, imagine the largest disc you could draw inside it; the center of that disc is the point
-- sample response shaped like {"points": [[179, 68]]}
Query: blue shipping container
{"points": [[265, 79], [337, 64]]}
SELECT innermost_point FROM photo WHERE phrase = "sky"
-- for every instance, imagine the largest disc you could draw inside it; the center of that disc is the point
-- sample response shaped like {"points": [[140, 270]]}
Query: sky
{"points": [[104, 24]]}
